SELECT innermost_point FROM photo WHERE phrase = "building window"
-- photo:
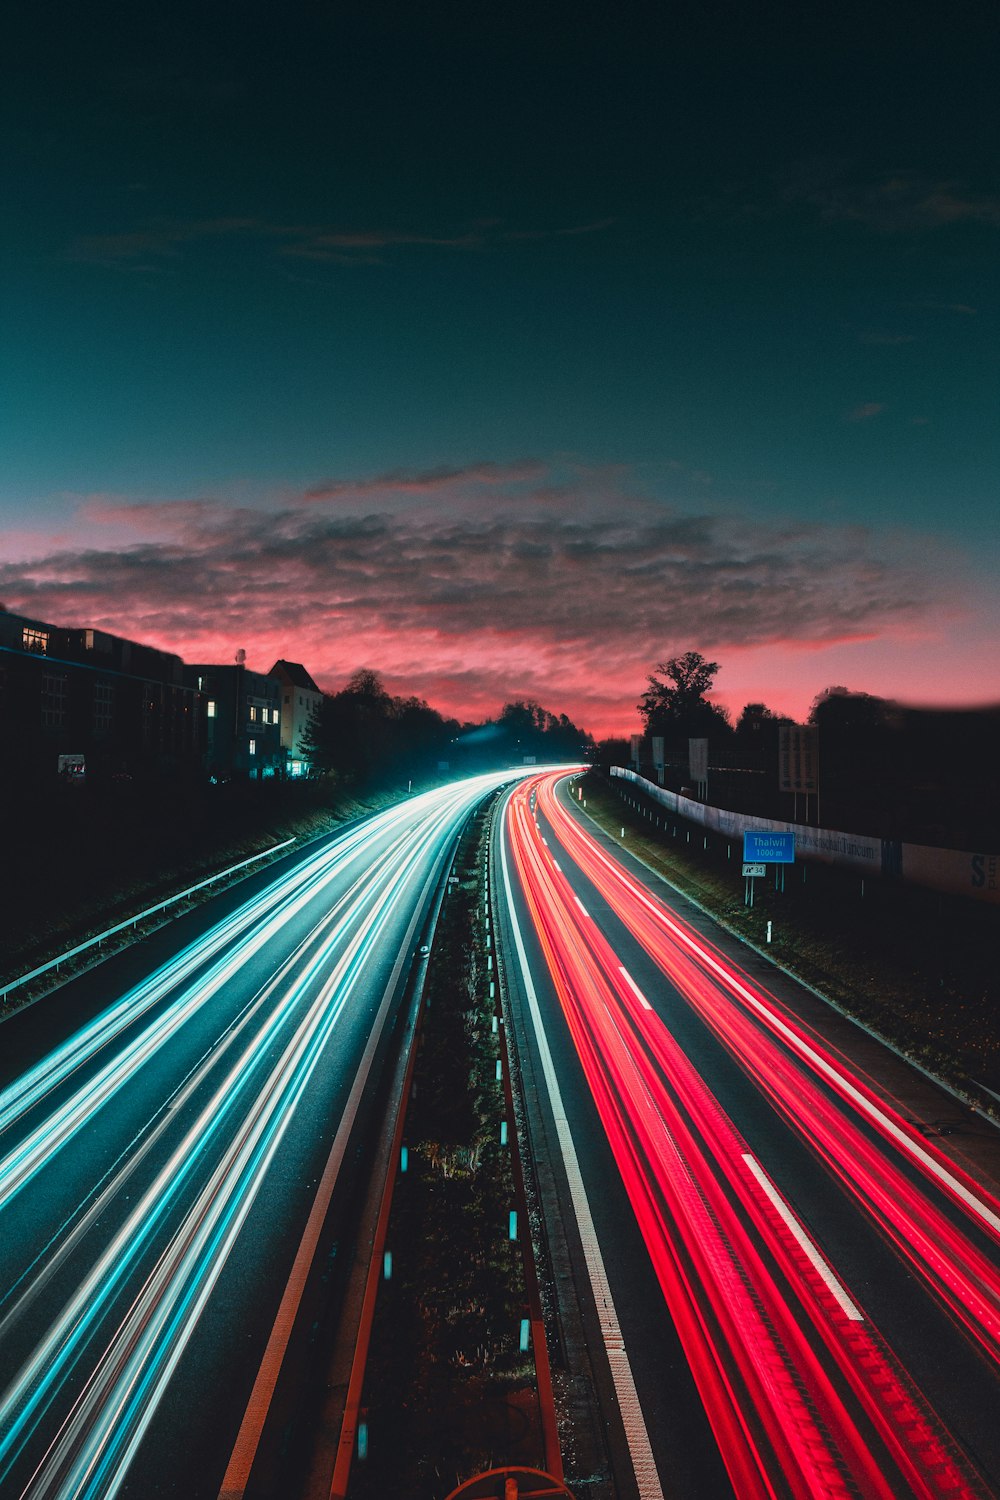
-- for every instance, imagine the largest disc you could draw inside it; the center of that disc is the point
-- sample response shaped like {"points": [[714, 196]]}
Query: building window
{"points": [[210, 708], [253, 713], [34, 640], [104, 705], [253, 747], [54, 700]]}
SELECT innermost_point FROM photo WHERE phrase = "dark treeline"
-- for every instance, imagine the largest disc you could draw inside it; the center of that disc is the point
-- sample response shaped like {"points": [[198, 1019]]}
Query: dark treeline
{"points": [[366, 737], [920, 774]]}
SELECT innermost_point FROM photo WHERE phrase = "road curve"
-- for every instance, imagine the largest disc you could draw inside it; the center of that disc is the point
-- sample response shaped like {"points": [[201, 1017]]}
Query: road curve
{"points": [[159, 1146], [749, 1154]]}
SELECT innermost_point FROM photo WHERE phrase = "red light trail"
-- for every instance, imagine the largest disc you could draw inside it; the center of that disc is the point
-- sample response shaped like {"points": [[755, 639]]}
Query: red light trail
{"points": [[803, 1394], [892, 1171]]}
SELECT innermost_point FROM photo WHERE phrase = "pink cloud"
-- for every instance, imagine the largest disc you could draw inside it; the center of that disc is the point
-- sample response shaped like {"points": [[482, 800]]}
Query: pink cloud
{"points": [[428, 481], [491, 585]]}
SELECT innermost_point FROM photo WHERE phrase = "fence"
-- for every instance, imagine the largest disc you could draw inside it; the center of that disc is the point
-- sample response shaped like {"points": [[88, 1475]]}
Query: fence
{"points": [[954, 871]]}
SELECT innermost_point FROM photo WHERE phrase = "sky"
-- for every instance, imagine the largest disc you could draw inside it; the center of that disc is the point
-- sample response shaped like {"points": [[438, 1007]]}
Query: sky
{"points": [[509, 350]]}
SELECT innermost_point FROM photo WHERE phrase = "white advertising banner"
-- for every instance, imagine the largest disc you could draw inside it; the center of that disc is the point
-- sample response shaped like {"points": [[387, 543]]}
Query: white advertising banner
{"points": [[959, 872]]}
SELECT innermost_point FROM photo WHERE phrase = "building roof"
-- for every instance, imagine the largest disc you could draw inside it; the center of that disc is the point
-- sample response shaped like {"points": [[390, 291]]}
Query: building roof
{"points": [[294, 674]]}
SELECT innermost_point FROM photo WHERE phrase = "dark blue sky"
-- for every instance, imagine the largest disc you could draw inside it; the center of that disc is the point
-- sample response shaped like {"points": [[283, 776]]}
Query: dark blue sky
{"points": [[558, 292]]}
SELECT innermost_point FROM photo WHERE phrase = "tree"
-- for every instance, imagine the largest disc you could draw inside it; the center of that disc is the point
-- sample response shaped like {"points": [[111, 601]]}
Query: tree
{"points": [[838, 710], [751, 721], [678, 706], [530, 729]]}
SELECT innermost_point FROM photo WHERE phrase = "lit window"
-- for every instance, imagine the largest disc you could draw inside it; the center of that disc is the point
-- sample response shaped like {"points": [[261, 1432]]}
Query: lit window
{"points": [[253, 747], [35, 640], [210, 708], [253, 713]]}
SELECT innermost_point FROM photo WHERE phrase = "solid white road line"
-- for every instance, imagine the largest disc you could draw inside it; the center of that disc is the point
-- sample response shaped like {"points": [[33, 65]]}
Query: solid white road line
{"points": [[803, 1240], [634, 988], [640, 1450]]}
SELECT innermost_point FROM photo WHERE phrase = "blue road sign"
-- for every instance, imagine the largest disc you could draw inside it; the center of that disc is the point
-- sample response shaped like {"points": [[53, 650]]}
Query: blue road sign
{"points": [[772, 848]]}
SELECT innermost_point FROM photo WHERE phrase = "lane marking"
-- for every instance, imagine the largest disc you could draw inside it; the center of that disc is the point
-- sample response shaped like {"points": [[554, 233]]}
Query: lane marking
{"points": [[636, 1435], [804, 1242], [798, 1044], [581, 906], [637, 992]]}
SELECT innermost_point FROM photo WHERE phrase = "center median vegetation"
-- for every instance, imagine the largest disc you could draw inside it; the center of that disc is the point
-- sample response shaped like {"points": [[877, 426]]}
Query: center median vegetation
{"points": [[449, 1390]]}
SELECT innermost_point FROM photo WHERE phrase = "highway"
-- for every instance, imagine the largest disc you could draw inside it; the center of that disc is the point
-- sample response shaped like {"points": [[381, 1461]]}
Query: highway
{"points": [[165, 1121], [797, 1290]]}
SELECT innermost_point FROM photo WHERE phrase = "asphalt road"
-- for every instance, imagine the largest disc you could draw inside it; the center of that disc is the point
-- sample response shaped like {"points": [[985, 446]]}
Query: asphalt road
{"points": [[164, 1121], [801, 1290]]}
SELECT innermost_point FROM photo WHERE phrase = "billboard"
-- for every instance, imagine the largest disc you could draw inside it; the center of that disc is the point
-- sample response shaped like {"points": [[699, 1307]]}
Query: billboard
{"points": [[698, 759], [798, 758]]}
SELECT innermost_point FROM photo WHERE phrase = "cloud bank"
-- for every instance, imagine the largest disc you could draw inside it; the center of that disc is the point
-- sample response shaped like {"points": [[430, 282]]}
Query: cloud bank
{"points": [[470, 586]]}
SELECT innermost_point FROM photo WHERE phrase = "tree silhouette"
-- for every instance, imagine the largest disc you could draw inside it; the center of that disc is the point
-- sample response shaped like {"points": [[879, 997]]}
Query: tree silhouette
{"points": [[678, 706]]}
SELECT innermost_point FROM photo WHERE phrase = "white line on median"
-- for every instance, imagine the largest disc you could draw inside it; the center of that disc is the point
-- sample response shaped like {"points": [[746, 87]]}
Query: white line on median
{"points": [[803, 1241], [640, 1450], [634, 987]]}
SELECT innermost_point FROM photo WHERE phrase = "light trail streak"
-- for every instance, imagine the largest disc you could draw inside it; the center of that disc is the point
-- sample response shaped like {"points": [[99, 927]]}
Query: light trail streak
{"points": [[176, 1237], [278, 904], [742, 1287], [636, 1434], [35, 1083], [795, 1070]]}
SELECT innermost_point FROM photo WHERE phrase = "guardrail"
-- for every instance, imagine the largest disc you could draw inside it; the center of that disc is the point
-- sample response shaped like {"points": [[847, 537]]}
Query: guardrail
{"points": [[141, 916], [957, 872]]}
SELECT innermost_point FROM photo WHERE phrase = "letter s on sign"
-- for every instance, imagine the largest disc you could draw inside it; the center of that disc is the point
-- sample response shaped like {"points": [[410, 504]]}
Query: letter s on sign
{"points": [[978, 873]]}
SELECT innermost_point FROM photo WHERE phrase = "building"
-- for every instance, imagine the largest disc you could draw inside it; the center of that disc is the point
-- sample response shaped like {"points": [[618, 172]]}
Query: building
{"points": [[241, 713], [97, 702], [299, 697]]}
